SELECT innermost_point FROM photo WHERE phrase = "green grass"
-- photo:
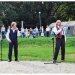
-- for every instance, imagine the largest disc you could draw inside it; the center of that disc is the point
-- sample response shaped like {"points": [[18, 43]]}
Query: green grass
{"points": [[40, 49]]}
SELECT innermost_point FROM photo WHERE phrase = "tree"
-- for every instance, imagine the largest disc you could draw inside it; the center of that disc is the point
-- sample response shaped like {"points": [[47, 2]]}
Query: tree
{"points": [[28, 12]]}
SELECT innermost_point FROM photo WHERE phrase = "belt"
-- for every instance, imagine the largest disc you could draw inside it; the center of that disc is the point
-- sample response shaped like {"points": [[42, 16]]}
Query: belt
{"points": [[60, 37]]}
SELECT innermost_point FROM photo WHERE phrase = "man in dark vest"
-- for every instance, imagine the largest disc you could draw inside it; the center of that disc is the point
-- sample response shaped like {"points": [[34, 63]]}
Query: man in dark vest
{"points": [[11, 36], [60, 41]]}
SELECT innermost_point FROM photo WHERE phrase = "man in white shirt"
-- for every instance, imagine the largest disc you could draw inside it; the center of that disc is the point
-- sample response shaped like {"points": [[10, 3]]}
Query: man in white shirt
{"points": [[3, 31], [26, 33], [11, 36], [60, 41], [47, 31], [36, 29], [22, 32], [42, 33]]}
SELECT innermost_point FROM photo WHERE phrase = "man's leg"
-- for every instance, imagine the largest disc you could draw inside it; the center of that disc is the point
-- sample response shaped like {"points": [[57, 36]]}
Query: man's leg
{"points": [[16, 51], [63, 49], [58, 41], [48, 33], [10, 51]]}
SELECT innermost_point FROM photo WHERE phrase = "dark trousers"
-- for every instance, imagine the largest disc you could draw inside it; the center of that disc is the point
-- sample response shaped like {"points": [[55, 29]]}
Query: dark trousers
{"points": [[3, 34], [11, 45], [60, 43], [47, 33]]}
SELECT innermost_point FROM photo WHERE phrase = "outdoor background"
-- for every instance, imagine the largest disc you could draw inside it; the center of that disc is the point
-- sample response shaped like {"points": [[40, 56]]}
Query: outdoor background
{"points": [[40, 48], [29, 12]]}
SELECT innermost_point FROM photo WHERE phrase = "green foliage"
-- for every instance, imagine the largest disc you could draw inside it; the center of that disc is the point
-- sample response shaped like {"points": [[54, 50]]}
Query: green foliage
{"points": [[28, 12], [40, 49]]}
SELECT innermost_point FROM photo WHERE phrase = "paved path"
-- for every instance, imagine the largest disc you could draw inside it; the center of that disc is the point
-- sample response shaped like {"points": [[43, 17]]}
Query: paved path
{"points": [[31, 67]]}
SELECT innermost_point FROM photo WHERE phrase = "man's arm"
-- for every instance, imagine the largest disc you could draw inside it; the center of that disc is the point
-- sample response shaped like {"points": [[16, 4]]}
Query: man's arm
{"points": [[7, 36], [18, 34], [65, 35], [56, 31]]}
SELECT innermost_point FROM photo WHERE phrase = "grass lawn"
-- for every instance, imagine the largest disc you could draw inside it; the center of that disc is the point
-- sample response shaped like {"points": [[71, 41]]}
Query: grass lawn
{"points": [[40, 48]]}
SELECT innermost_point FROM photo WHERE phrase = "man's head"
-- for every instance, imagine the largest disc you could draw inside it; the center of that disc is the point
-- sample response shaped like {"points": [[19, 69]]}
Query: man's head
{"points": [[42, 26], [13, 25], [3, 25], [47, 26], [58, 23]]}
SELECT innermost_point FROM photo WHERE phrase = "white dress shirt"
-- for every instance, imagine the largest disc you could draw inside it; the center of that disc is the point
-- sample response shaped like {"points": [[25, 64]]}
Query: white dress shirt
{"points": [[58, 31], [42, 30], [47, 29], [2, 29], [36, 29], [8, 32], [22, 30]]}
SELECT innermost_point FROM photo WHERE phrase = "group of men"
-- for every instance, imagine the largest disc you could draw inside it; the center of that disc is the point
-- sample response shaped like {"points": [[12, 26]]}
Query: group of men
{"points": [[29, 33], [35, 32], [13, 32]]}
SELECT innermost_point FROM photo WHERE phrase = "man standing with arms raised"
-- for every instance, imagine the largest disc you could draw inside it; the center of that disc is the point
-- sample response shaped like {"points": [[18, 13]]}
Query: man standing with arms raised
{"points": [[60, 41]]}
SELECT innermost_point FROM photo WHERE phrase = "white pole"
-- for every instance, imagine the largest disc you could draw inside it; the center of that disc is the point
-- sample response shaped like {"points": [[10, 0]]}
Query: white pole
{"points": [[22, 24], [40, 18]]}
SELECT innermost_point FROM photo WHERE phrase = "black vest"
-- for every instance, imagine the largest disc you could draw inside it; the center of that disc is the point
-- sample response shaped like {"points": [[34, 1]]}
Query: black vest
{"points": [[13, 35]]}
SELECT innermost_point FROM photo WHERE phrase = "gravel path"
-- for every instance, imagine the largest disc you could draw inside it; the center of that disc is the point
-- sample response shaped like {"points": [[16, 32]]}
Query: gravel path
{"points": [[31, 67]]}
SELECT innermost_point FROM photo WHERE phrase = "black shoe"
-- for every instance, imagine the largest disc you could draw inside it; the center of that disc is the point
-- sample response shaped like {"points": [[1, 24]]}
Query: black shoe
{"points": [[54, 61], [16, 60], [9, 60], [62, 60]]}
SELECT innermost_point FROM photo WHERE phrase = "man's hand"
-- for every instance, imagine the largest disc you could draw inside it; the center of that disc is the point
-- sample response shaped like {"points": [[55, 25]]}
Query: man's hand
{"points": [[61, 26], [9, 41]]}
